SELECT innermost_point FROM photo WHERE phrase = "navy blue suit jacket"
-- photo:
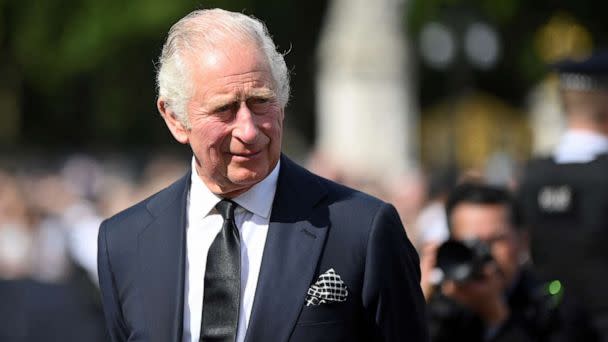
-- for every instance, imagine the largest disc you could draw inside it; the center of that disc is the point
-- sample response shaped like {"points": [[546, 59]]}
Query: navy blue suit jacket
{"points": [[315, 225]]}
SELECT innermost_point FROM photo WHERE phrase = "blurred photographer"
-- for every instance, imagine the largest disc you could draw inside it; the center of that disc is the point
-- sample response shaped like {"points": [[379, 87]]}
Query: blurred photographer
{"points": [[484, 290]]}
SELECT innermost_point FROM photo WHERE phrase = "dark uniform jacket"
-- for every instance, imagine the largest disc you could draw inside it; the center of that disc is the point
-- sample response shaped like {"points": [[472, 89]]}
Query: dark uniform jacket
{"points": [[565, 208]]}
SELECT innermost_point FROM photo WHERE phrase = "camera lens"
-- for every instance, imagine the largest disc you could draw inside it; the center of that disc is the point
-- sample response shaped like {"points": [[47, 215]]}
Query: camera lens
{"points": [[462, 261]]}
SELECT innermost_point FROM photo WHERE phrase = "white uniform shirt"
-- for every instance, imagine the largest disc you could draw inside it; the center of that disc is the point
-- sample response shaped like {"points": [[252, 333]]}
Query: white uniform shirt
{"points": [[577, 146], [204, 223]]}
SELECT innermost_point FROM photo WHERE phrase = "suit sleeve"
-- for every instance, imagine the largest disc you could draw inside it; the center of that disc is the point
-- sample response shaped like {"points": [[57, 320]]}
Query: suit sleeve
{"points": [[392, 297], [109, 295]]}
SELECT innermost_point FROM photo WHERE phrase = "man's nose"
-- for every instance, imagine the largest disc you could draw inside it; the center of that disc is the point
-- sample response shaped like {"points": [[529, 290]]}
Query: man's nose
{"points": [[245, 127]]}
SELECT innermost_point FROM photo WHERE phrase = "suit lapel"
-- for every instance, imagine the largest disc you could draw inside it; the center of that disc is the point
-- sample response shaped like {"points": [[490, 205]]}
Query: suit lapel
{"points": [[161, 251], [295, 240]]}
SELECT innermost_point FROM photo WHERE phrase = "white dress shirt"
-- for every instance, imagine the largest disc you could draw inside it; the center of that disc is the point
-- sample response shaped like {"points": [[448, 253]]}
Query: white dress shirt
{"points": [[577, 146], [204, 223]]}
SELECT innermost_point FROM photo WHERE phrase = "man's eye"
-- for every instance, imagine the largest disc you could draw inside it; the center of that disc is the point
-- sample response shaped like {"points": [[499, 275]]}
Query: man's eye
{"points": [[260, 105], [259, 100], [224, 108]]}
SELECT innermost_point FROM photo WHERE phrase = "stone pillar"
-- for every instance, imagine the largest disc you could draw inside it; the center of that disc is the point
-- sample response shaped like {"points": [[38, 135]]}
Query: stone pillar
{"points": [[367, 117]]}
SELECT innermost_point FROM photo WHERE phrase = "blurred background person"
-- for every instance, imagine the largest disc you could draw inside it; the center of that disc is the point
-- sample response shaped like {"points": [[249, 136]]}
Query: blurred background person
{"points": [[34, 307], [431, 225], [16, 233], [486, 290], [432, 222], [564, 196]]}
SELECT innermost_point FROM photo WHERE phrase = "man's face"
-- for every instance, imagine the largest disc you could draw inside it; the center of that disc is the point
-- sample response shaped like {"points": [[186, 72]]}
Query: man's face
{"points": [[236, 122], [489, 223]]}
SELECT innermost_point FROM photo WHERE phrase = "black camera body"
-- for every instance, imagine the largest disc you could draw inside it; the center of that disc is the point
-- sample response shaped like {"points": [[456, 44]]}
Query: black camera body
{"points": [[461, 261]]}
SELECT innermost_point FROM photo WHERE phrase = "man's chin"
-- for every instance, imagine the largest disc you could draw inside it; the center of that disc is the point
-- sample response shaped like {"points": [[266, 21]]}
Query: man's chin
{"points": [[237, 185], [246, 175], [244, 179]]}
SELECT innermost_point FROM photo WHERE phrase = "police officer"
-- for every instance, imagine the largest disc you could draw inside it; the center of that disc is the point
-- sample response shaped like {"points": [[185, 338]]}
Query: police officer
{"points": [[564, 197], [494, 295]]}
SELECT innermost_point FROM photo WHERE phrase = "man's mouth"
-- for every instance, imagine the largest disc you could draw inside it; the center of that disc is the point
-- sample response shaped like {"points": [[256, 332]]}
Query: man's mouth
{"points": [[245, 154]]}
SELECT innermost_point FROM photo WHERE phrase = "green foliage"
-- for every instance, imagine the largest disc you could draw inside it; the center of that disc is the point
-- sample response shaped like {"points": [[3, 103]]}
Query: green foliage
{"points": [[55, 40], [500, 11]]}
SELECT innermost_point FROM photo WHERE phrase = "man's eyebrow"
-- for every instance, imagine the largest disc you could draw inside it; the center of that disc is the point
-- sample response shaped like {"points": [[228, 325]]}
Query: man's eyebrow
{"points": [[220, 101], [261, 93]]}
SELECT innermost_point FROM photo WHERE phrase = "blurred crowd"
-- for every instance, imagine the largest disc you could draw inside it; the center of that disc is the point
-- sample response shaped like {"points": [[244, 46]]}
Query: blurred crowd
{"points": [[50, 211]]}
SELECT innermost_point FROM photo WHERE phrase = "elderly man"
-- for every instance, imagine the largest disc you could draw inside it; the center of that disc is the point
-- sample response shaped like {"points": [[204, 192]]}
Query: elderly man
{"points": [[249, 246]]}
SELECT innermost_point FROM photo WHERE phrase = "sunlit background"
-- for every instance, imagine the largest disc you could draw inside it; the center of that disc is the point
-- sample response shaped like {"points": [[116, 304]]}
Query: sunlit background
{"points": [[386, 95]]}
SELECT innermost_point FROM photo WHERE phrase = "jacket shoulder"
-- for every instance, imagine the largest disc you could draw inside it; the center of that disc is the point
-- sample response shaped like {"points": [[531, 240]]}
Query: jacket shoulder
{"points": [[357, 202]]}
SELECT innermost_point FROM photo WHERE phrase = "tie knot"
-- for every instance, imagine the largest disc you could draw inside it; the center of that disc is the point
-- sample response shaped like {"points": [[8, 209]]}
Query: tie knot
{"points": [[226, 209]]}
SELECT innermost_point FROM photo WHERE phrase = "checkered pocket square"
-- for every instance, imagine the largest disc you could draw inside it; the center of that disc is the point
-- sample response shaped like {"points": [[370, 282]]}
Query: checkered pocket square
{"points": [[329, 288]]}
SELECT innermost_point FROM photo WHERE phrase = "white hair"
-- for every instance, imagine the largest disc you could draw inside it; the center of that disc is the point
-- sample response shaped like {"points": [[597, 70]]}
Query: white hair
{"points": [[207, 29]]}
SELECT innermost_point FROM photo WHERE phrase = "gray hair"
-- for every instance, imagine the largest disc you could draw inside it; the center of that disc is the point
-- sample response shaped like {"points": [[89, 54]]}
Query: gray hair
{"points": [[209, 28]]}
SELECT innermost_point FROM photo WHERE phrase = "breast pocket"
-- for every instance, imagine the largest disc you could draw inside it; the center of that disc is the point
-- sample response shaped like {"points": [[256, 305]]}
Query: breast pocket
{"points": [[324, 323], [324, 314]]}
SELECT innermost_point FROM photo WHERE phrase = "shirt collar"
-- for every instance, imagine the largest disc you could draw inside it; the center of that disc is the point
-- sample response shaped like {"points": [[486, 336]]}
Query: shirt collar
{"points": [[578, 146], [257, 200]]}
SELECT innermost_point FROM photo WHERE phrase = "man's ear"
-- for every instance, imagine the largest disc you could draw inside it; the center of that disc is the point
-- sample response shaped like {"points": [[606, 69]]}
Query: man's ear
{"points": [[177, 128]]}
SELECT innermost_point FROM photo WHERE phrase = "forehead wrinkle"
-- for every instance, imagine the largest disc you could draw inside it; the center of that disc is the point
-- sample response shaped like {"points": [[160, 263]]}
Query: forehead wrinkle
{"points": [[257, 76], [251, 86]]}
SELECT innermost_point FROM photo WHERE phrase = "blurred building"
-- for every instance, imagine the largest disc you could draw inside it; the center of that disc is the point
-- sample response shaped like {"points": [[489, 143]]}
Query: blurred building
{"points": [[367, 117], [472, 129]]}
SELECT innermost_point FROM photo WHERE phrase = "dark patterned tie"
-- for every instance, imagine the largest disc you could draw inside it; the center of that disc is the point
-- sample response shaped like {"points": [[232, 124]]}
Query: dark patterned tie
{"points": [[222, 281]]}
